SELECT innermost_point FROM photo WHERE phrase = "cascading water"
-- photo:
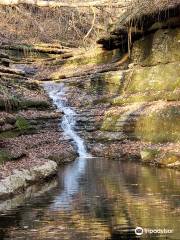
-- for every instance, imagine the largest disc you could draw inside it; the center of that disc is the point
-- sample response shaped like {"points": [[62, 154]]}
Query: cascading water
{"points": [[57, 93], [73, 172]]}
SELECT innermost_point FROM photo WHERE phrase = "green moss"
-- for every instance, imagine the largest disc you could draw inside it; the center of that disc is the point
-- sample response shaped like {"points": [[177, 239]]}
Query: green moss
{"points": [[159, 47], [157, 78], [159, 126], [19, 130], [116, 120], [147, 97], [148, 154], [9, 134], [22, 124], [89, 58], [109, 124], [4, 156], [114, 77], [93, 56]]}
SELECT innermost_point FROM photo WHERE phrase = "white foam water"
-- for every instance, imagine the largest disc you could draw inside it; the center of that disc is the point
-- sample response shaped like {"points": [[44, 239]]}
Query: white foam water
{"points": [[57, 92]]}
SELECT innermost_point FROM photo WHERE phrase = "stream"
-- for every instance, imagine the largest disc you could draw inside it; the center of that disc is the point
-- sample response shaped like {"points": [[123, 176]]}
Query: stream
{"points": [[57, 93], [94, 198]]}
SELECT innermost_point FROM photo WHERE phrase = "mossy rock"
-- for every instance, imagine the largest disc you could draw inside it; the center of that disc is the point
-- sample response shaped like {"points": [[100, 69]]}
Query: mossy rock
{"points": [[157, 78], [159, 47], [18, 132], [111, 77], [109, 124], [148, 155], [119, 120], [147, 97], [106, 83], [6, 155], [161, 125], [94, 56], [22, 124]]}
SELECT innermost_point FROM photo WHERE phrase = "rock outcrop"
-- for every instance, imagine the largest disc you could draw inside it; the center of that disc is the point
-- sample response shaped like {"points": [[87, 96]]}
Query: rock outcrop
{"points": [[148, 109], [23, 178]]}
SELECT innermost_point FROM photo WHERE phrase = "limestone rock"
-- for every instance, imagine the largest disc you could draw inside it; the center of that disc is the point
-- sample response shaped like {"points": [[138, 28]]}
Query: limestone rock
{"points": [[156, 78], [23, 178], [160, 47]]}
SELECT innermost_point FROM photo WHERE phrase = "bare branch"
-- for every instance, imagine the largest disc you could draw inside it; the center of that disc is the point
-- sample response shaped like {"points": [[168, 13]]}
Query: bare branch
{"points": [[93, 22]]}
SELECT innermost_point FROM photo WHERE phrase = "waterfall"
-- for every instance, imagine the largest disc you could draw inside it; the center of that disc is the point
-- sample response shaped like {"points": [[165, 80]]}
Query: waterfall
{"points": [[57, 93]]}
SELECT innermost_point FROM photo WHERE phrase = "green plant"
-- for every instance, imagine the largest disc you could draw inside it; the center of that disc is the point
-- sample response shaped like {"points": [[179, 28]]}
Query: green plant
{"points": [[22, 124], [4, 156]]}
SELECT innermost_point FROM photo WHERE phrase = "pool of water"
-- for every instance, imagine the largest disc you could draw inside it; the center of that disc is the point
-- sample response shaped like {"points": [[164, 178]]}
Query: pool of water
{"points": [[95, 198]]}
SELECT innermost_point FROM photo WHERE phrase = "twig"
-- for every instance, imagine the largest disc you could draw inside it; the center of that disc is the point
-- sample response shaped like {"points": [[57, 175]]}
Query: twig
{"points": [[92, 25]]}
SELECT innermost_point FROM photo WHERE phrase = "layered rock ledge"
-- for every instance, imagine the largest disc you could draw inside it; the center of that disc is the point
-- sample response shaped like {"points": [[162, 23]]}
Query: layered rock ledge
{"points": [[21, 179], [32, 144]]}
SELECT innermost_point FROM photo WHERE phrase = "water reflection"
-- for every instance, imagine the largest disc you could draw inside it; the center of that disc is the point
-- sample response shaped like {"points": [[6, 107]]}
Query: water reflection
{"points": [[100, 199], [69, 179]]}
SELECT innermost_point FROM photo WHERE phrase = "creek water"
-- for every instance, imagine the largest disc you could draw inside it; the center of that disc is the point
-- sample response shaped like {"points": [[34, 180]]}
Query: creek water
{"points": [[94, 198], [57, 93]]}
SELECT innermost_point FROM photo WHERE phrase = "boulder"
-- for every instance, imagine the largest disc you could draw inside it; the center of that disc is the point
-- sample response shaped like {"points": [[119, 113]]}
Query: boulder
{"points": [[21, 179]]}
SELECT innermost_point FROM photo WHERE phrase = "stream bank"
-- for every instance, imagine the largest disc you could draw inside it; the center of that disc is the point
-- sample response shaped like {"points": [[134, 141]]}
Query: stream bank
{"points": [[31, 141]]}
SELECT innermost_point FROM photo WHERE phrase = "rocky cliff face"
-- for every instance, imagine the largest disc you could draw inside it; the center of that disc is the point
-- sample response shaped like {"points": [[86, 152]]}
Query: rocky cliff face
{"points": [[147, 109], [129, 109]]}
